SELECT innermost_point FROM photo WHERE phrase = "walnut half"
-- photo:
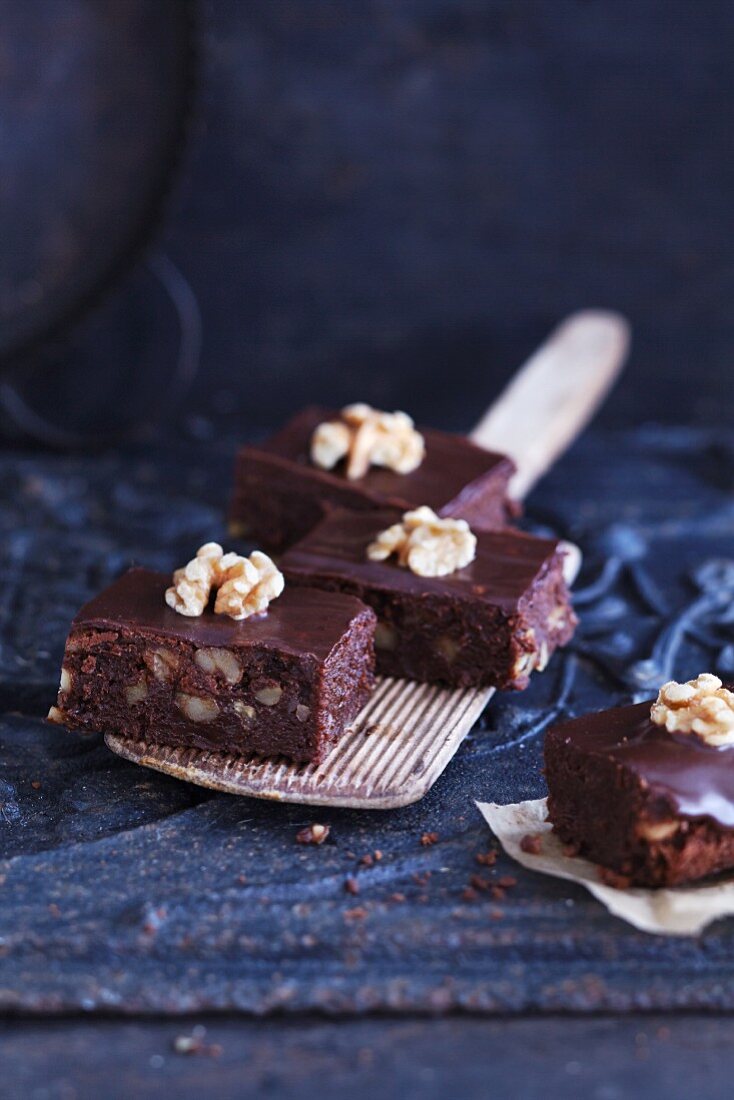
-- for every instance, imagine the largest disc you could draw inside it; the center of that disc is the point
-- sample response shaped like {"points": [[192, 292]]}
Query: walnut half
{"points": [[427, 545], [244, 586], [702, 706], [368, 437]]}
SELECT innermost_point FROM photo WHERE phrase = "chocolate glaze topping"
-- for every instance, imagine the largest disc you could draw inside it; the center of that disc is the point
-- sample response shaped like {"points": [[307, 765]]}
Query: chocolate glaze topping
{"points": [[450, 467], [506, 564], [300, 621], [696, 777]]}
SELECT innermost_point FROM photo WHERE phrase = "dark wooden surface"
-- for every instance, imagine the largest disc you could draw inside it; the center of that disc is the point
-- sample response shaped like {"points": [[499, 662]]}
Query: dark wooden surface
{"points": [[127, 892], [554, 1058]]}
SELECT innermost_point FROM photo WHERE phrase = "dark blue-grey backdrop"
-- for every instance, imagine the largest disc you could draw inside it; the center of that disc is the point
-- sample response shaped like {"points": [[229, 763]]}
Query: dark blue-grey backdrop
{"points": [[395, 200]]}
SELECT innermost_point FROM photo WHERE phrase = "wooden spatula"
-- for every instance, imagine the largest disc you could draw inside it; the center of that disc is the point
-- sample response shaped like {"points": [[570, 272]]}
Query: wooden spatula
{"points": [[408, 732]]}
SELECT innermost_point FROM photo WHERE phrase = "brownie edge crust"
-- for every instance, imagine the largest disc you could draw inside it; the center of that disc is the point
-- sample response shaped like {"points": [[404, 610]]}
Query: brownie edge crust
{"points": [[287, 684], [651, 809]]}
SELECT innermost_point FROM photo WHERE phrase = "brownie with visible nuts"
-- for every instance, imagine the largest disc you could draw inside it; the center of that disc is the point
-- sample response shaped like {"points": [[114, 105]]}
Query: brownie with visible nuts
{"points": [[653, 808], [286, 683], [488, 624], [280, 495]]}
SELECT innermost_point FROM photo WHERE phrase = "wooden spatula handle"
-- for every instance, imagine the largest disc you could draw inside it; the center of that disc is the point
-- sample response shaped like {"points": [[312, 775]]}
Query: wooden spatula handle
{"points": [[554, 395]]}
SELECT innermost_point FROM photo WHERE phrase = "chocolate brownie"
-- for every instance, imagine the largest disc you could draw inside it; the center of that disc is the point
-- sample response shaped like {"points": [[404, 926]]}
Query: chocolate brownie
{"points": [[280, 494], [653, 807], [488, 624], [286, 683]]}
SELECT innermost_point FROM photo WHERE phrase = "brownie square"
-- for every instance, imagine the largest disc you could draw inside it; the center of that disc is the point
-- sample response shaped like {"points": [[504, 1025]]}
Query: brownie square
{"points": [[287, 683], [488, 624], [652, 807], [280, 495]]}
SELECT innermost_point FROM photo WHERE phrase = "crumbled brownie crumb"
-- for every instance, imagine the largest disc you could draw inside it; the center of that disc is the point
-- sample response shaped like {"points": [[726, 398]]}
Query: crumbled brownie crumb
{"points": [[496, 914], [531, 843], [570, 850], [428, 839], [613, 878], [498, 892], [506, 882], [421, 880], [154, 920], [479, 883], [358, 913], [36, 784], [487, 859], [397, 897], [351, 885], [377, 854], [194, 1044], [469, 894], [313, 834], [366, 860]]}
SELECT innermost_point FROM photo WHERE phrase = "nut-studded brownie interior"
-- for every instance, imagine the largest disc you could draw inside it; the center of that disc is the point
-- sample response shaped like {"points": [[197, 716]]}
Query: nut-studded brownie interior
{"points": [[285, 684], [490, 623]]}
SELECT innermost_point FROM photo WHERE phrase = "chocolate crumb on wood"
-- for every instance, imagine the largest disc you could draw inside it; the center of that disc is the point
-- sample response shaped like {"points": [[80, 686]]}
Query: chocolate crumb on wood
{"points": [[313, 834], [358, 913], [531, 843]]}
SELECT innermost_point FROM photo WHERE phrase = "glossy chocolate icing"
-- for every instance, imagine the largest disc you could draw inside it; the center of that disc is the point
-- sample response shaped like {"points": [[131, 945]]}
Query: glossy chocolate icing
{"points": [[696, 777], [506, 565], [451, 466], [301, 621]]}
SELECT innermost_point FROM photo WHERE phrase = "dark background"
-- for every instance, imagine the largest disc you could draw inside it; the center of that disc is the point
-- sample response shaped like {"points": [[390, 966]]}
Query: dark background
{"points": [[391, 201]]}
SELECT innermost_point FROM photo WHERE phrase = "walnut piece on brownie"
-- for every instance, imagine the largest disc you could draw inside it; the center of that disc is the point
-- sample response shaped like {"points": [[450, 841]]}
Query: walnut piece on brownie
{"points": [[426, 544], [364, 437], [652, 805]]}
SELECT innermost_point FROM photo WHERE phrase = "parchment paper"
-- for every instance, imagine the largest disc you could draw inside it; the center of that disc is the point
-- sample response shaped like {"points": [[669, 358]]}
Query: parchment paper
{"points": [[683, 911]]}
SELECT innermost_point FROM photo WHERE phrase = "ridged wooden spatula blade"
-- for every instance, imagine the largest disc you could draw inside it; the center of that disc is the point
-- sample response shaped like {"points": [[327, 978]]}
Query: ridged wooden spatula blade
{"points": [[392, 754]]}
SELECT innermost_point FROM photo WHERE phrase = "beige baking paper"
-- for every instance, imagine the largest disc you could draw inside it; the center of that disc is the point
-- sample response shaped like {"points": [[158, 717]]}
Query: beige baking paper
{"points": [[684, 911]]}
